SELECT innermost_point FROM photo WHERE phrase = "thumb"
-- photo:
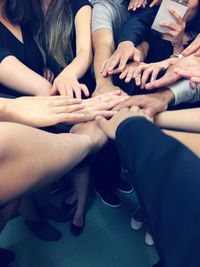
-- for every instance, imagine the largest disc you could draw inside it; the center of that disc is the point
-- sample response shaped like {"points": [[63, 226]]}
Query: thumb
{"points": [[137, 56], [104, 125], [53, 90]]}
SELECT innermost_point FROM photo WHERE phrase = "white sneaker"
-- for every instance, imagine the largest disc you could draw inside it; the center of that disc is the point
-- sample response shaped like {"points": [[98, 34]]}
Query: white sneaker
{"points": [[149, 239], [135, 224]]}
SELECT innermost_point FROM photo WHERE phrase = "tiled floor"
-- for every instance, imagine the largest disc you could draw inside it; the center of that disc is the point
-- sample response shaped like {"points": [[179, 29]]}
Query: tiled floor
{"points": [[108, 241]]}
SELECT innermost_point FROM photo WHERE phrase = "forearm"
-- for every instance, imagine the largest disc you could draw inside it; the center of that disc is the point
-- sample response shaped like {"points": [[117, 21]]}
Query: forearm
{"points": [[80, 64], [191, 140], [63, 152], [103, 44], [17, 76], [186, 120]]}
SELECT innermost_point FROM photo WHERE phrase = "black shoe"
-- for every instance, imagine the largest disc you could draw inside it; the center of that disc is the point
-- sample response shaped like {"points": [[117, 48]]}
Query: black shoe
{"points": [[6, 257], [43, 230], [109, 198], [158, 264], [124, 187], [54, 213], [75, 229]]}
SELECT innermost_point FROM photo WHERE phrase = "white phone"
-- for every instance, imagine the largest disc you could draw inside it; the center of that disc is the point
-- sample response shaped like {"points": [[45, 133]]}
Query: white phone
{"points": [[163, 14]]}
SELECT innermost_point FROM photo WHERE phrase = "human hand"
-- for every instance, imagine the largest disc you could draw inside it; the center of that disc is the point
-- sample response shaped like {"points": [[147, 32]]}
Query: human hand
{"points": [[135, 4], [145, 72], [103, 104], [110, 126], [45, 111], [174, 32], [125, 51], [150, 103], [106, 88], [67, 85], [128, 72], [193, 48], [96, 135], [48, 74]]}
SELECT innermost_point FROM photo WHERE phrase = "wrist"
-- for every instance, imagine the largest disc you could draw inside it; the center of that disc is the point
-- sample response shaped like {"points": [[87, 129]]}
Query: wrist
{"points": [[126, 43], [166, 95], [6, 109]]}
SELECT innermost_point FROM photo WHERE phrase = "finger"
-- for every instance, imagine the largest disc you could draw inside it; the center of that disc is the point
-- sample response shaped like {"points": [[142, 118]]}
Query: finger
{"points": [[69, 108], [193, 47], [145, 77], [105, 126], [153, 3], [106, 113], [71, 117], [176, 15], [121, 105], [144, 4], [195, 79], [103, 65], [66, 101], [123, 74], [129, 76], [135, 109], [139, 69], [192, 85], [138, 80], [155, 73], [53, 91], [137, 56], [115, 71], [76, 87], [197, 53], [123, 62]]}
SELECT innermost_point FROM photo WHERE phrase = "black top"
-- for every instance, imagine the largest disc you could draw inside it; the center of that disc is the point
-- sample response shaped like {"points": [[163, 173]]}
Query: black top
{"points": [[27, 52], [138, 24], [76, 5]]}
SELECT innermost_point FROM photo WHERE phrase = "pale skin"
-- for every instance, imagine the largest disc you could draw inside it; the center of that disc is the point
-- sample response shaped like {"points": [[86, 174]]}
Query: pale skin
{"points": [[63, 151], [191, 140], [103, 44], [66, 83], [126, 50], [174, 32], [135, 4], [22, 76]]}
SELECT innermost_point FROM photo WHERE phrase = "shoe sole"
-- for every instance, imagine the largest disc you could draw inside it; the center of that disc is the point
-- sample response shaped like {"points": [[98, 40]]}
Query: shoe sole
{"points": [[106, 203], [125, 192]]}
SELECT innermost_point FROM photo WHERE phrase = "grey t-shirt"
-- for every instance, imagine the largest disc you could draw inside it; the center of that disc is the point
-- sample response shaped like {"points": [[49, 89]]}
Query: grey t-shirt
{"points": [[108, 14]]}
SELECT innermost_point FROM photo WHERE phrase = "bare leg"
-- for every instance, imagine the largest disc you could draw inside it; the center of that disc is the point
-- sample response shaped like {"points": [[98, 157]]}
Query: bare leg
{"points": [[81, 179], [45, 157]]}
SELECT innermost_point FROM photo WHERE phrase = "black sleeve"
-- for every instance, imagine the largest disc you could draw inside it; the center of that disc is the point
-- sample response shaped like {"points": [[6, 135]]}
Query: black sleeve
{"points": [[137, 25], [4, 53], [166, 176], [78, 4]]}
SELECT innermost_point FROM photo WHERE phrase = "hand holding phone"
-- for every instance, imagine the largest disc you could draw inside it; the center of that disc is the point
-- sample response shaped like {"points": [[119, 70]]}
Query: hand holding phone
{"points": [[165, 15]]}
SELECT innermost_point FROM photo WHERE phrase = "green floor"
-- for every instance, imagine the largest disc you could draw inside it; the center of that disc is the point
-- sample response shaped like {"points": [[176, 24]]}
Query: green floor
{"points": [[108, 241]]}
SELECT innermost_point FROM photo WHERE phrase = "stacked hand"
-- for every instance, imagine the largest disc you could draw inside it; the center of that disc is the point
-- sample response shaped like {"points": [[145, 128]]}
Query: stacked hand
{"points": [[110, 126], [135, 4]]}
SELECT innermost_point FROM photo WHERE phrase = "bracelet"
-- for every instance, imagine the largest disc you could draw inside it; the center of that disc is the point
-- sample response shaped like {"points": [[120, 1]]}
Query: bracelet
{"points": [[179, 56]]}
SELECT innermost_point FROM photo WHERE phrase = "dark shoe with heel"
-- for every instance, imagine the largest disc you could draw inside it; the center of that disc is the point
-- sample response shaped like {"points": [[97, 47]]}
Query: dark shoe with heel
{"points": [[6, 257], [75, 229], [43, 230]]}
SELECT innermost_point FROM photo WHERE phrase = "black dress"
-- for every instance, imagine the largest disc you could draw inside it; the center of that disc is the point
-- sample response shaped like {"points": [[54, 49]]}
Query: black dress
{"points": [[27, 52]]}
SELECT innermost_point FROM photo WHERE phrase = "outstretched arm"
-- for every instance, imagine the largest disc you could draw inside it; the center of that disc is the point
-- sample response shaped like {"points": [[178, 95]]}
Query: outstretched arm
{"points": [[17, 76], [185, 120]]}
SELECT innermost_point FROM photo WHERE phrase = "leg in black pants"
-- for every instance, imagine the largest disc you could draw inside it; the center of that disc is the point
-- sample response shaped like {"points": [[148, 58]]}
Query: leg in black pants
{"points": [[167, 181]]}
